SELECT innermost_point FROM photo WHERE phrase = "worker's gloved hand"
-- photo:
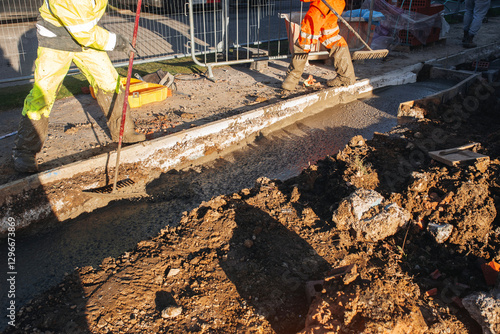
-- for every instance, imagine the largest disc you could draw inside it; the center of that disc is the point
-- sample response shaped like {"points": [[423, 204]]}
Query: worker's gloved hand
{"points": [[123, 45]]}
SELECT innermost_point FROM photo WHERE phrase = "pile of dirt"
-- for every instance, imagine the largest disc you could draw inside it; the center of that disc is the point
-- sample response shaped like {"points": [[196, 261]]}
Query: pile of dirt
{"points": [[302, 256]]}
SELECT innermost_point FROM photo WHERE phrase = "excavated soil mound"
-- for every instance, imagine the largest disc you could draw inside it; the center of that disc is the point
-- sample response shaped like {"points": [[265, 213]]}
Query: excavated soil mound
{"points": [[273, 259]]}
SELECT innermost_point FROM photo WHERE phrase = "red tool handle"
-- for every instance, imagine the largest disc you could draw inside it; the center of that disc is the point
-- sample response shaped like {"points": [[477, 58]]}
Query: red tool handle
{"points": [[129, 73], [127, 89]]}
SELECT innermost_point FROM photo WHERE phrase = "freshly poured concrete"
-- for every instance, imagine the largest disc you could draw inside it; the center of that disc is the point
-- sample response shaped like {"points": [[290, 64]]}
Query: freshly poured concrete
{"points": [[162, 154]]}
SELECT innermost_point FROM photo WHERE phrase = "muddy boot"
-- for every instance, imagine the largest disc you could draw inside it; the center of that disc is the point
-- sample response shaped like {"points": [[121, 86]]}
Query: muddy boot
{"points": [[468, 42], [343, 66], [295, 69], [466, 35], [31, 135], [112, 106]]}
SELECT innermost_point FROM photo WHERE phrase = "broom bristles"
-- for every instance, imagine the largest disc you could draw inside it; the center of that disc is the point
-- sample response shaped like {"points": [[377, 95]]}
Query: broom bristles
{"points": [[373, 54]]}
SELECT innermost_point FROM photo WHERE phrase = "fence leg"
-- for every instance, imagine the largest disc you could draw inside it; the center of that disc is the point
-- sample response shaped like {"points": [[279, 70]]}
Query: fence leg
{"points": [[210, 74]]}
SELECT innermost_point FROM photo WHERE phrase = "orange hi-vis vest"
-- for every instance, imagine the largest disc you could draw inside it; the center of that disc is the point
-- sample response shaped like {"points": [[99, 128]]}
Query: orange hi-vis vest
{"points": [[320, 25]]}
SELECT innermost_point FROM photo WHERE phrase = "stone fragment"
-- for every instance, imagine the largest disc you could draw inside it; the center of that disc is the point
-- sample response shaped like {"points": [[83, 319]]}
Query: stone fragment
{"points": [[354, 213], [101, 323], [420, 182], [354, 206], [173, 272], [357, 141], [485, 309], [171, 312], [386, 223], [440, 232]]}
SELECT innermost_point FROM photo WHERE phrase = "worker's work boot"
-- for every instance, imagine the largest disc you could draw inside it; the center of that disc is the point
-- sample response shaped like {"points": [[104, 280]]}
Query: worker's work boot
{"points": [[343, 66], [466, 35], [468, 42], [112, 106], [31, 135], [295, 69]]}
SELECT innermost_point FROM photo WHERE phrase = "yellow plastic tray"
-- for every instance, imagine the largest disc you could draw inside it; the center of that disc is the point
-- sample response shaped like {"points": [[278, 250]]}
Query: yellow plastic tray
{"points": [[141, 93]]}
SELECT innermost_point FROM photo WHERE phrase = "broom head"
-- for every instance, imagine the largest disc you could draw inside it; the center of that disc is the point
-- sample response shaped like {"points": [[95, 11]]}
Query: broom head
{"points": [[122, 190], [372, 54]]}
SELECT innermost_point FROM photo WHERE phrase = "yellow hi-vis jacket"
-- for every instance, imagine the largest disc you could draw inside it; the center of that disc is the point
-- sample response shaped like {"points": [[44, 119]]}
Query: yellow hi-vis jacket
{"points": [[79, 18]]}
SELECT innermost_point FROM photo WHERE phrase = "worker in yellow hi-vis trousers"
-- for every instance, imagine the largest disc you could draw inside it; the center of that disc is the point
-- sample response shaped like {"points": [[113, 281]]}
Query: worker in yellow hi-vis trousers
{"points": [[67, 32]]}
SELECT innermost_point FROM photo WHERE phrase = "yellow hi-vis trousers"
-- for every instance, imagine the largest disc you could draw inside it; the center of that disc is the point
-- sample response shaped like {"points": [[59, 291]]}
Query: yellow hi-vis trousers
{"points": [[51, 66]]}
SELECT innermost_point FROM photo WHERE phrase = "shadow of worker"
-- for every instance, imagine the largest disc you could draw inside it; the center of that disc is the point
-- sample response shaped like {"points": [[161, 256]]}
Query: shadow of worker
{"points": [[269, 264], [27, 49], [69, 301]]}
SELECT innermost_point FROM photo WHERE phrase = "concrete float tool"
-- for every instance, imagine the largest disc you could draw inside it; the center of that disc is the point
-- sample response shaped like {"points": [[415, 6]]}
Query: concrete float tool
{"points": [[111, 189], [359, 55]]}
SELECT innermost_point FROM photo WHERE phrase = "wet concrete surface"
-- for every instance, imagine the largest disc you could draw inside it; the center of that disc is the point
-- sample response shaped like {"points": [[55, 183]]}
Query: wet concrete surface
{"points": [[42, 258]]}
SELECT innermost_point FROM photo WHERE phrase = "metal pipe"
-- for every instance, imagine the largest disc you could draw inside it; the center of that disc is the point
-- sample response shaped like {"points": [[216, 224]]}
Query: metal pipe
{"points": [[370, 18], [191, 33], [9, 135]]}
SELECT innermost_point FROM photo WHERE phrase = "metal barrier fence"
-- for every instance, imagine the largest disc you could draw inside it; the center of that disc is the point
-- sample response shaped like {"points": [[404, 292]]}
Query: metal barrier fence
{"points": [[163, 32], [249, 36], [230, 30]]}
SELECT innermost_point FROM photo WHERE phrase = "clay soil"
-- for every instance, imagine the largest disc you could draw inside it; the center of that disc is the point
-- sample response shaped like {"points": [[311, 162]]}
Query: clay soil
{"points": [[270, 259]]}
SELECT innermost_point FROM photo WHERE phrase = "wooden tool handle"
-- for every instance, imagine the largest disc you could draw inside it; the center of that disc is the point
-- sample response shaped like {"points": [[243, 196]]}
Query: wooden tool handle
{"points": [[457, 149], [347, 24]]}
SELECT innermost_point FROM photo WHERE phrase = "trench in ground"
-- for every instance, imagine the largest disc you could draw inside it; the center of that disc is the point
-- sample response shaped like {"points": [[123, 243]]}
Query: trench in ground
{"points": [[43, 258]]}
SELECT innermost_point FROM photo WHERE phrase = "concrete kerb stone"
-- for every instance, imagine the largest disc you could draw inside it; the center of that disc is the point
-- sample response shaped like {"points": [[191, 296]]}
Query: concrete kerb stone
{"points": [[480, 52], [163, 154], [444, 68], [417, 108]]}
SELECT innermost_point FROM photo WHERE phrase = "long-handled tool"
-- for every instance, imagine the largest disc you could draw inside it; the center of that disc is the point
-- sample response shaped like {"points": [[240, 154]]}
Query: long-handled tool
{"points": [[359, 55], [109, 190], [458, 149]]}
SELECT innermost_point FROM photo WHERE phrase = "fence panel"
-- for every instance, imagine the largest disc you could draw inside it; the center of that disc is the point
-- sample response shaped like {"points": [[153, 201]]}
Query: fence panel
{"points": [[163, 31], [226, 28], [17, 37], [253, 25]]}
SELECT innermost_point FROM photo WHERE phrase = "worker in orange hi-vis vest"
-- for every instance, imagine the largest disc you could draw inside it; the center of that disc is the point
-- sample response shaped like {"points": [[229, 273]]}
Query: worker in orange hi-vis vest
{"points": [[320, 24]]}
